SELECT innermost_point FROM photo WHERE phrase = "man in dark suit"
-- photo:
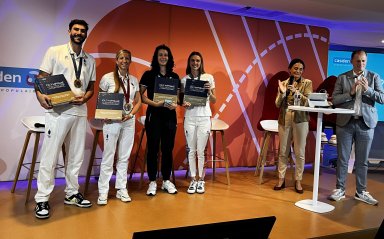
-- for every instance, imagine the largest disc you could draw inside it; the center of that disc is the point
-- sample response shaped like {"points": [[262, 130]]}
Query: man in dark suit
{"points": [[358, 89]]}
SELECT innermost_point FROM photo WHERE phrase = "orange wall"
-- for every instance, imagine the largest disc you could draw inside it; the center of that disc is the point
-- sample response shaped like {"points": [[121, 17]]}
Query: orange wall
{"points": [[230, 58]]}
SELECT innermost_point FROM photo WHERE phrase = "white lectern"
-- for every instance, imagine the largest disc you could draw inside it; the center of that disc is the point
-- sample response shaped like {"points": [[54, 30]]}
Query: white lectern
{"points": [[308, 204]]}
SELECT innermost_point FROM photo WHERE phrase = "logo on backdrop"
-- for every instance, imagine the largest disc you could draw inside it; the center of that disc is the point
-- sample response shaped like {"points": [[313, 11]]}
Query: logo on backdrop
{"points": [[341, 61], [13, 79]]}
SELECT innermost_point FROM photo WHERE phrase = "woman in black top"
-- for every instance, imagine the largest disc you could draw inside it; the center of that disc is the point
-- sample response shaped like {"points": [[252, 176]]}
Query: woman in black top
{"points": [[160, 122]]}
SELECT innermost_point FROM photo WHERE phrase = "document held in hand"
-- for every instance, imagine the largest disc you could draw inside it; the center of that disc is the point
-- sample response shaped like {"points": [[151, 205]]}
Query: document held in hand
{"points": [[195, 93], [57, 89], [109, 106], [166, 90]]}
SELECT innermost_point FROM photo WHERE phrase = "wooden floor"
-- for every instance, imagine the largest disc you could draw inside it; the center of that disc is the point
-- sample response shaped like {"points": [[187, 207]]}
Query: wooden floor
{"points": [[243, 199]]}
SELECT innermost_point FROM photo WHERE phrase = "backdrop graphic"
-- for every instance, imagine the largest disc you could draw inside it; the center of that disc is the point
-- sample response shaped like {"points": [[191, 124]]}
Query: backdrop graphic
{"points": [[241, 53]]}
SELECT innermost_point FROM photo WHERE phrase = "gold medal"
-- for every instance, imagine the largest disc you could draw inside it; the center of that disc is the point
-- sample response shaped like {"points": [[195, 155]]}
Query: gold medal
{"points": [[77, 83]]}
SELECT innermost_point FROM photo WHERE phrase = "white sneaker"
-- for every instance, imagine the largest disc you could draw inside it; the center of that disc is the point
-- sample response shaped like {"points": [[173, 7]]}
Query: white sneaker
{"points": [[200, 186], [152, 188], [366, 197], [337, 195], [192, 187], [102, 199], [333, 140], [324, 138], [169, 187], [122, 194]]}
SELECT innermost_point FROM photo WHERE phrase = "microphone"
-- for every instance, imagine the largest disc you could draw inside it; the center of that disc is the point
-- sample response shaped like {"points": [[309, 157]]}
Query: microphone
{"points": [[290, 82]]}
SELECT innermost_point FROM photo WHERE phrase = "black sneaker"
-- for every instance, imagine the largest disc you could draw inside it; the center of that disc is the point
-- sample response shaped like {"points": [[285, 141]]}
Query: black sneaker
{"points": [[42, 210], [78, 200]]}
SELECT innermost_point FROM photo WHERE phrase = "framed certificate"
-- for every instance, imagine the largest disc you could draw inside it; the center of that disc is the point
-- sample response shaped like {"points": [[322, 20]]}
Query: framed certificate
{"points": [[109, 106], [57, 89], [166, 89], [195, 93]]}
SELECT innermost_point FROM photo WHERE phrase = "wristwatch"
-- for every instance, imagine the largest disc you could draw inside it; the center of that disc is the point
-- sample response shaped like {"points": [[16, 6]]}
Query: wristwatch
{"points": [[131, 115]]}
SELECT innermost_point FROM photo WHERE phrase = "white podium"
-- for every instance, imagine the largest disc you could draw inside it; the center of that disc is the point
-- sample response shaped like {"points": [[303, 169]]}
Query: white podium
{"points": [[313, 204]]}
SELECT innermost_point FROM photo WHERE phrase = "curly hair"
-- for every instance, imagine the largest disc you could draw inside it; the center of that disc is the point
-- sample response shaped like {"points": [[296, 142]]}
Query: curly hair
{"points": [[155, 63]]}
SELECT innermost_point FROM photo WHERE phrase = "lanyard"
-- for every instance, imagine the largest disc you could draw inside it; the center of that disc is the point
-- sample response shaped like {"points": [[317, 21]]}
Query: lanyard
{"points": [[77, 71]]}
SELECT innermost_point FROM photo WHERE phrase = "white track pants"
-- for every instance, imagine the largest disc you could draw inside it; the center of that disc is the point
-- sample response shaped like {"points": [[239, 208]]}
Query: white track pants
{"points": [[118, 135], [197, 130], [60, 128]]}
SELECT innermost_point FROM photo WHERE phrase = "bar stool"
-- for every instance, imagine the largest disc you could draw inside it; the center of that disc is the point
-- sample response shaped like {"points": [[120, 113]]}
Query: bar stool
{"points": [[270, 128], [141, 121], [35, 125], [97, 125], [219, 126]]}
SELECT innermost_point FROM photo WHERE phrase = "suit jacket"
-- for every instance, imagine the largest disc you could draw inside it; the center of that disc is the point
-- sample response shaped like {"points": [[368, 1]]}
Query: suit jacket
{"points": [[305, 88], [343, 99]]}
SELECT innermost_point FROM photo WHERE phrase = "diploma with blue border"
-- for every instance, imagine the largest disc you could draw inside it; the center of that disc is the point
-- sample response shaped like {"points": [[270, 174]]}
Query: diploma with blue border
{"points": [[57, 89], [195, 93], [166, 89], [109, 106]]}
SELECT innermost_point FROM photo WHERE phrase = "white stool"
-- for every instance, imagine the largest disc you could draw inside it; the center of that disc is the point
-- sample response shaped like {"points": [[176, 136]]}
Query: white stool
{"points": [[270, 128], [219, 126], [35, 125]]}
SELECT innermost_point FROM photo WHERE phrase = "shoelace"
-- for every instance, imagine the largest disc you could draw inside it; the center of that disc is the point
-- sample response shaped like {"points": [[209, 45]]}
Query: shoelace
{"points": [[79, 196], [124, 194], [366, 194], [43, 206], [170, 185], [338, 191]]}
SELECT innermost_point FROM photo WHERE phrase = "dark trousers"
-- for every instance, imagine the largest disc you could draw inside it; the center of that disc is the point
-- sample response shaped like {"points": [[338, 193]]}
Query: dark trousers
{"points": [[160, 128]]}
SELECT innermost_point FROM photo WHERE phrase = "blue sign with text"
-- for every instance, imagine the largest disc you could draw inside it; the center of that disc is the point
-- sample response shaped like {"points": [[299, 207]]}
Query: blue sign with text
{"points": [[13, 77]]}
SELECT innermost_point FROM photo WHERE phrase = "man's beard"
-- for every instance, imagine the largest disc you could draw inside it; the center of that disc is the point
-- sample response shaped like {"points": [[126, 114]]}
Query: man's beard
{"points": [[82, 39]]}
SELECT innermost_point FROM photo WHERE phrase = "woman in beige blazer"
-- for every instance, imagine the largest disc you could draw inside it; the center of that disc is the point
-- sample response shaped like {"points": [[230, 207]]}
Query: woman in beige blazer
{"points": [[293, 125]]}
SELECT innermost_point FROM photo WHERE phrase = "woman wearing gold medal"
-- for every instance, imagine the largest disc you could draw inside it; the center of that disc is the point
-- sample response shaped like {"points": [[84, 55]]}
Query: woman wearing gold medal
{"points": [[119, 134]]}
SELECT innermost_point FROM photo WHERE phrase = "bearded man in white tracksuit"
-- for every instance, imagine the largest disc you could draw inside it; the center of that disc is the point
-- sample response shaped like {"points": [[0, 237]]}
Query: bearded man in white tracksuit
{"points": [[66, 123]]}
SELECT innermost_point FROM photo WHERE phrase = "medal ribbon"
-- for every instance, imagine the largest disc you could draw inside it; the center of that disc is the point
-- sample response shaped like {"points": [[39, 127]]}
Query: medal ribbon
{"points": [[77, 71], [126, 91]]}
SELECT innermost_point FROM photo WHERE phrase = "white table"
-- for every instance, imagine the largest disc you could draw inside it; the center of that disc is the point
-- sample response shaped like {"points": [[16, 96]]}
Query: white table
{"points": [[313, 204]]}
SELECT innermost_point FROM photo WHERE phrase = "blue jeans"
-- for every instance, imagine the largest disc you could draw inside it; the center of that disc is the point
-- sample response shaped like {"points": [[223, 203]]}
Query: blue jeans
{"points": [[358, 132]]}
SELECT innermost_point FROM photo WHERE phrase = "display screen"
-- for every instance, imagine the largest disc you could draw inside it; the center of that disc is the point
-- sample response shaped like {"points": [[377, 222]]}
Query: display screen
{"points": [[339, 62]]}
